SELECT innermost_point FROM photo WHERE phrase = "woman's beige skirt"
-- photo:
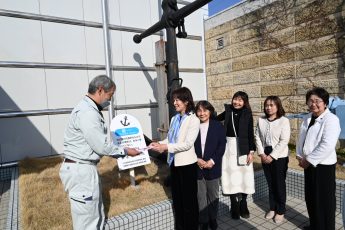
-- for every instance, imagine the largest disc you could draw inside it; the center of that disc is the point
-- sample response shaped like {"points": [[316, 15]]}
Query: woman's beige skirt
{"points": [[235, 178]]}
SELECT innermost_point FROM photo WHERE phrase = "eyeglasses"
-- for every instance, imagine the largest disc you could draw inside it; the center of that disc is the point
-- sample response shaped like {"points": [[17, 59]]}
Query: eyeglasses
{"points": [[316, 102]]}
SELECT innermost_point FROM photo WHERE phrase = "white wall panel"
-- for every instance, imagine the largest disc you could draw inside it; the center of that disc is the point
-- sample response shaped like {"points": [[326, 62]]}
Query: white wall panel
{"points": [[63, 43], [116, 48], [156, 11], [58, 124], [20, 40], [62, 8], [92, 10], [196, 83], [139, 87], [30, 6], [190, 53], [145, 49], [94, 46], [135, 13], [65, 87], [24, 137], [22, 89], [114, 12], [120, 93]]}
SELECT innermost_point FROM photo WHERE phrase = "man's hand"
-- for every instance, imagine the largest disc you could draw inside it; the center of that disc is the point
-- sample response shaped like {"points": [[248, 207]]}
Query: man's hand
{"points": [[132, 152]]}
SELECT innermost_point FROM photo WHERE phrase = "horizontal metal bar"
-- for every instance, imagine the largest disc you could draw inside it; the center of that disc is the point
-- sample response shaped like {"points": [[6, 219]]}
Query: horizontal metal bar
{"points": [[194, 37], [136, 106], [13, 114], [14, 64], [8, 164], [77, 22], [34, 113], [187, 70], [9, 64], [183, 2]]}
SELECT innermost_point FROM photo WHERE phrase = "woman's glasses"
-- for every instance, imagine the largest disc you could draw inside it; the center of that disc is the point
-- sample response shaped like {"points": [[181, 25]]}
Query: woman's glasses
{"points": [[316, 102]]}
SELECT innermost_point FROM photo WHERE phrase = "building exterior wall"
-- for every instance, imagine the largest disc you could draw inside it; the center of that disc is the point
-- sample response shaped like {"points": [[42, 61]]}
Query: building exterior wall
{"points": [[48, 57], [281, 48]]}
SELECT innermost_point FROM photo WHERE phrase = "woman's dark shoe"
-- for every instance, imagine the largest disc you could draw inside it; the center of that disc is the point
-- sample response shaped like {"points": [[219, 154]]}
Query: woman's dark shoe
{"points": [[235, 210], [213, 224], [244, 212], [306, 227], [203, 226]]}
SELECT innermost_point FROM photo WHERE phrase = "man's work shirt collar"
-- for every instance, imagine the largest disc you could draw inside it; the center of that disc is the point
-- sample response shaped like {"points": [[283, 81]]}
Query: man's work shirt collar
{"points": [[99, 107]]}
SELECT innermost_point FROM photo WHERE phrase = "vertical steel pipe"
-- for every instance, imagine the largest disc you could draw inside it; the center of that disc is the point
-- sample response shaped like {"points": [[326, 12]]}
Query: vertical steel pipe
{"points": [[107, 51], [172, 66]]}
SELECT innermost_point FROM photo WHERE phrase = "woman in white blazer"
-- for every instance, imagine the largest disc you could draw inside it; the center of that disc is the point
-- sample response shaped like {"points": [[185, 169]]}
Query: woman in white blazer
{"points": [[183, 131], [272, 138], [316, 153]]}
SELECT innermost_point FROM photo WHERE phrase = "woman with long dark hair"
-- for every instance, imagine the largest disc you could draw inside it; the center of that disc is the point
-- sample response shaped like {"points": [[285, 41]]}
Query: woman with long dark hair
{"points": [[237, 168]]}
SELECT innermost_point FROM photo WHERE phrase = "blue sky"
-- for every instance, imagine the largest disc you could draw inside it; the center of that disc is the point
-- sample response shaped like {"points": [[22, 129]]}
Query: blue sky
{"points": [[218, 5]]}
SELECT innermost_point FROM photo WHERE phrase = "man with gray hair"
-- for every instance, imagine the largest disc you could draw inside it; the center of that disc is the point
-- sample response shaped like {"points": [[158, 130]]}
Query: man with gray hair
{"points": [[85, 141]]}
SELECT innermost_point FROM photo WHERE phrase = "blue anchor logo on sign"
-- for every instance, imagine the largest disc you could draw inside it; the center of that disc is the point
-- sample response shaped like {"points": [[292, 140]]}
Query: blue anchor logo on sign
{"points": [[125, 123]]}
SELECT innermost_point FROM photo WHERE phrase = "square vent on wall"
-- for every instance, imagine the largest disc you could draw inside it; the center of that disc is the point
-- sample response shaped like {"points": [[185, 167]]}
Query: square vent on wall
{"points": [[220, 43]]}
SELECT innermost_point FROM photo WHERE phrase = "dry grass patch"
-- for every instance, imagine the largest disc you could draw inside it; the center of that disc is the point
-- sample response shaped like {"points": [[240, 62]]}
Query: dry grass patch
{"points": [[44, 204]]}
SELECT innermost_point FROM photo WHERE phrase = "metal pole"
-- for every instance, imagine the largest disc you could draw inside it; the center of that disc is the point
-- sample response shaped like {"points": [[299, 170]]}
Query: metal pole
{"points": [[108, 65], [172, 66], [107, 51]]}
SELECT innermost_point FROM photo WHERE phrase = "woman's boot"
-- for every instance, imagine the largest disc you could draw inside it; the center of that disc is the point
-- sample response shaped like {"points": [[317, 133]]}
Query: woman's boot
{"points": [[235, 207], [203, 226], [244, 212], [213, 224]]}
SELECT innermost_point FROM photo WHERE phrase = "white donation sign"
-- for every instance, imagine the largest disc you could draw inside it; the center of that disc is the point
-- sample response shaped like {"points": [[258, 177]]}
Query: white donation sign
{"points": [[127, 132]]}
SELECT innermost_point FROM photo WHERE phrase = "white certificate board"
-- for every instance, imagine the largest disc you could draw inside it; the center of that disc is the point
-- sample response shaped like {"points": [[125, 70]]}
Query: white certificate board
{"points": [[127, 132]]}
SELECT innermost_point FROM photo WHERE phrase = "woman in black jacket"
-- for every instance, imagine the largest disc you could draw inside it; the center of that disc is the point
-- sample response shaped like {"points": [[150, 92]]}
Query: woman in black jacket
{"points": [[209, 148], [237, 168]]}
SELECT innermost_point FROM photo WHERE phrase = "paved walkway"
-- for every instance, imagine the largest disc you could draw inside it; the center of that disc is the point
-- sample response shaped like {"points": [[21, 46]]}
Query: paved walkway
{"points": [[4, 201], [296, 217]]}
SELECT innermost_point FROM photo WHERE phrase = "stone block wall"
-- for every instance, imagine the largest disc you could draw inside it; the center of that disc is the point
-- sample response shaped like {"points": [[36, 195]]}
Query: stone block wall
{"points": [[283, 48]]}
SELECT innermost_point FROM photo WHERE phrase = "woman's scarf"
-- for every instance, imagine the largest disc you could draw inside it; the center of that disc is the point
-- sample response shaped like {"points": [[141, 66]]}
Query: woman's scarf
{"points": [[174, 132]]}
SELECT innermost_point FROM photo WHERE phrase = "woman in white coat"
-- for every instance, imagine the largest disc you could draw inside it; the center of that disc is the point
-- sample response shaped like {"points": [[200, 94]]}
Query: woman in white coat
{"points": [[182, 159], [318, 137], [272, 138]]}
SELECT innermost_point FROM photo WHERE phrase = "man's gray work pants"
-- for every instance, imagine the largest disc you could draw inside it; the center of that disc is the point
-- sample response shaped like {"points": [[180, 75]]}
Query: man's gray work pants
{"points": [[82, 183]]}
